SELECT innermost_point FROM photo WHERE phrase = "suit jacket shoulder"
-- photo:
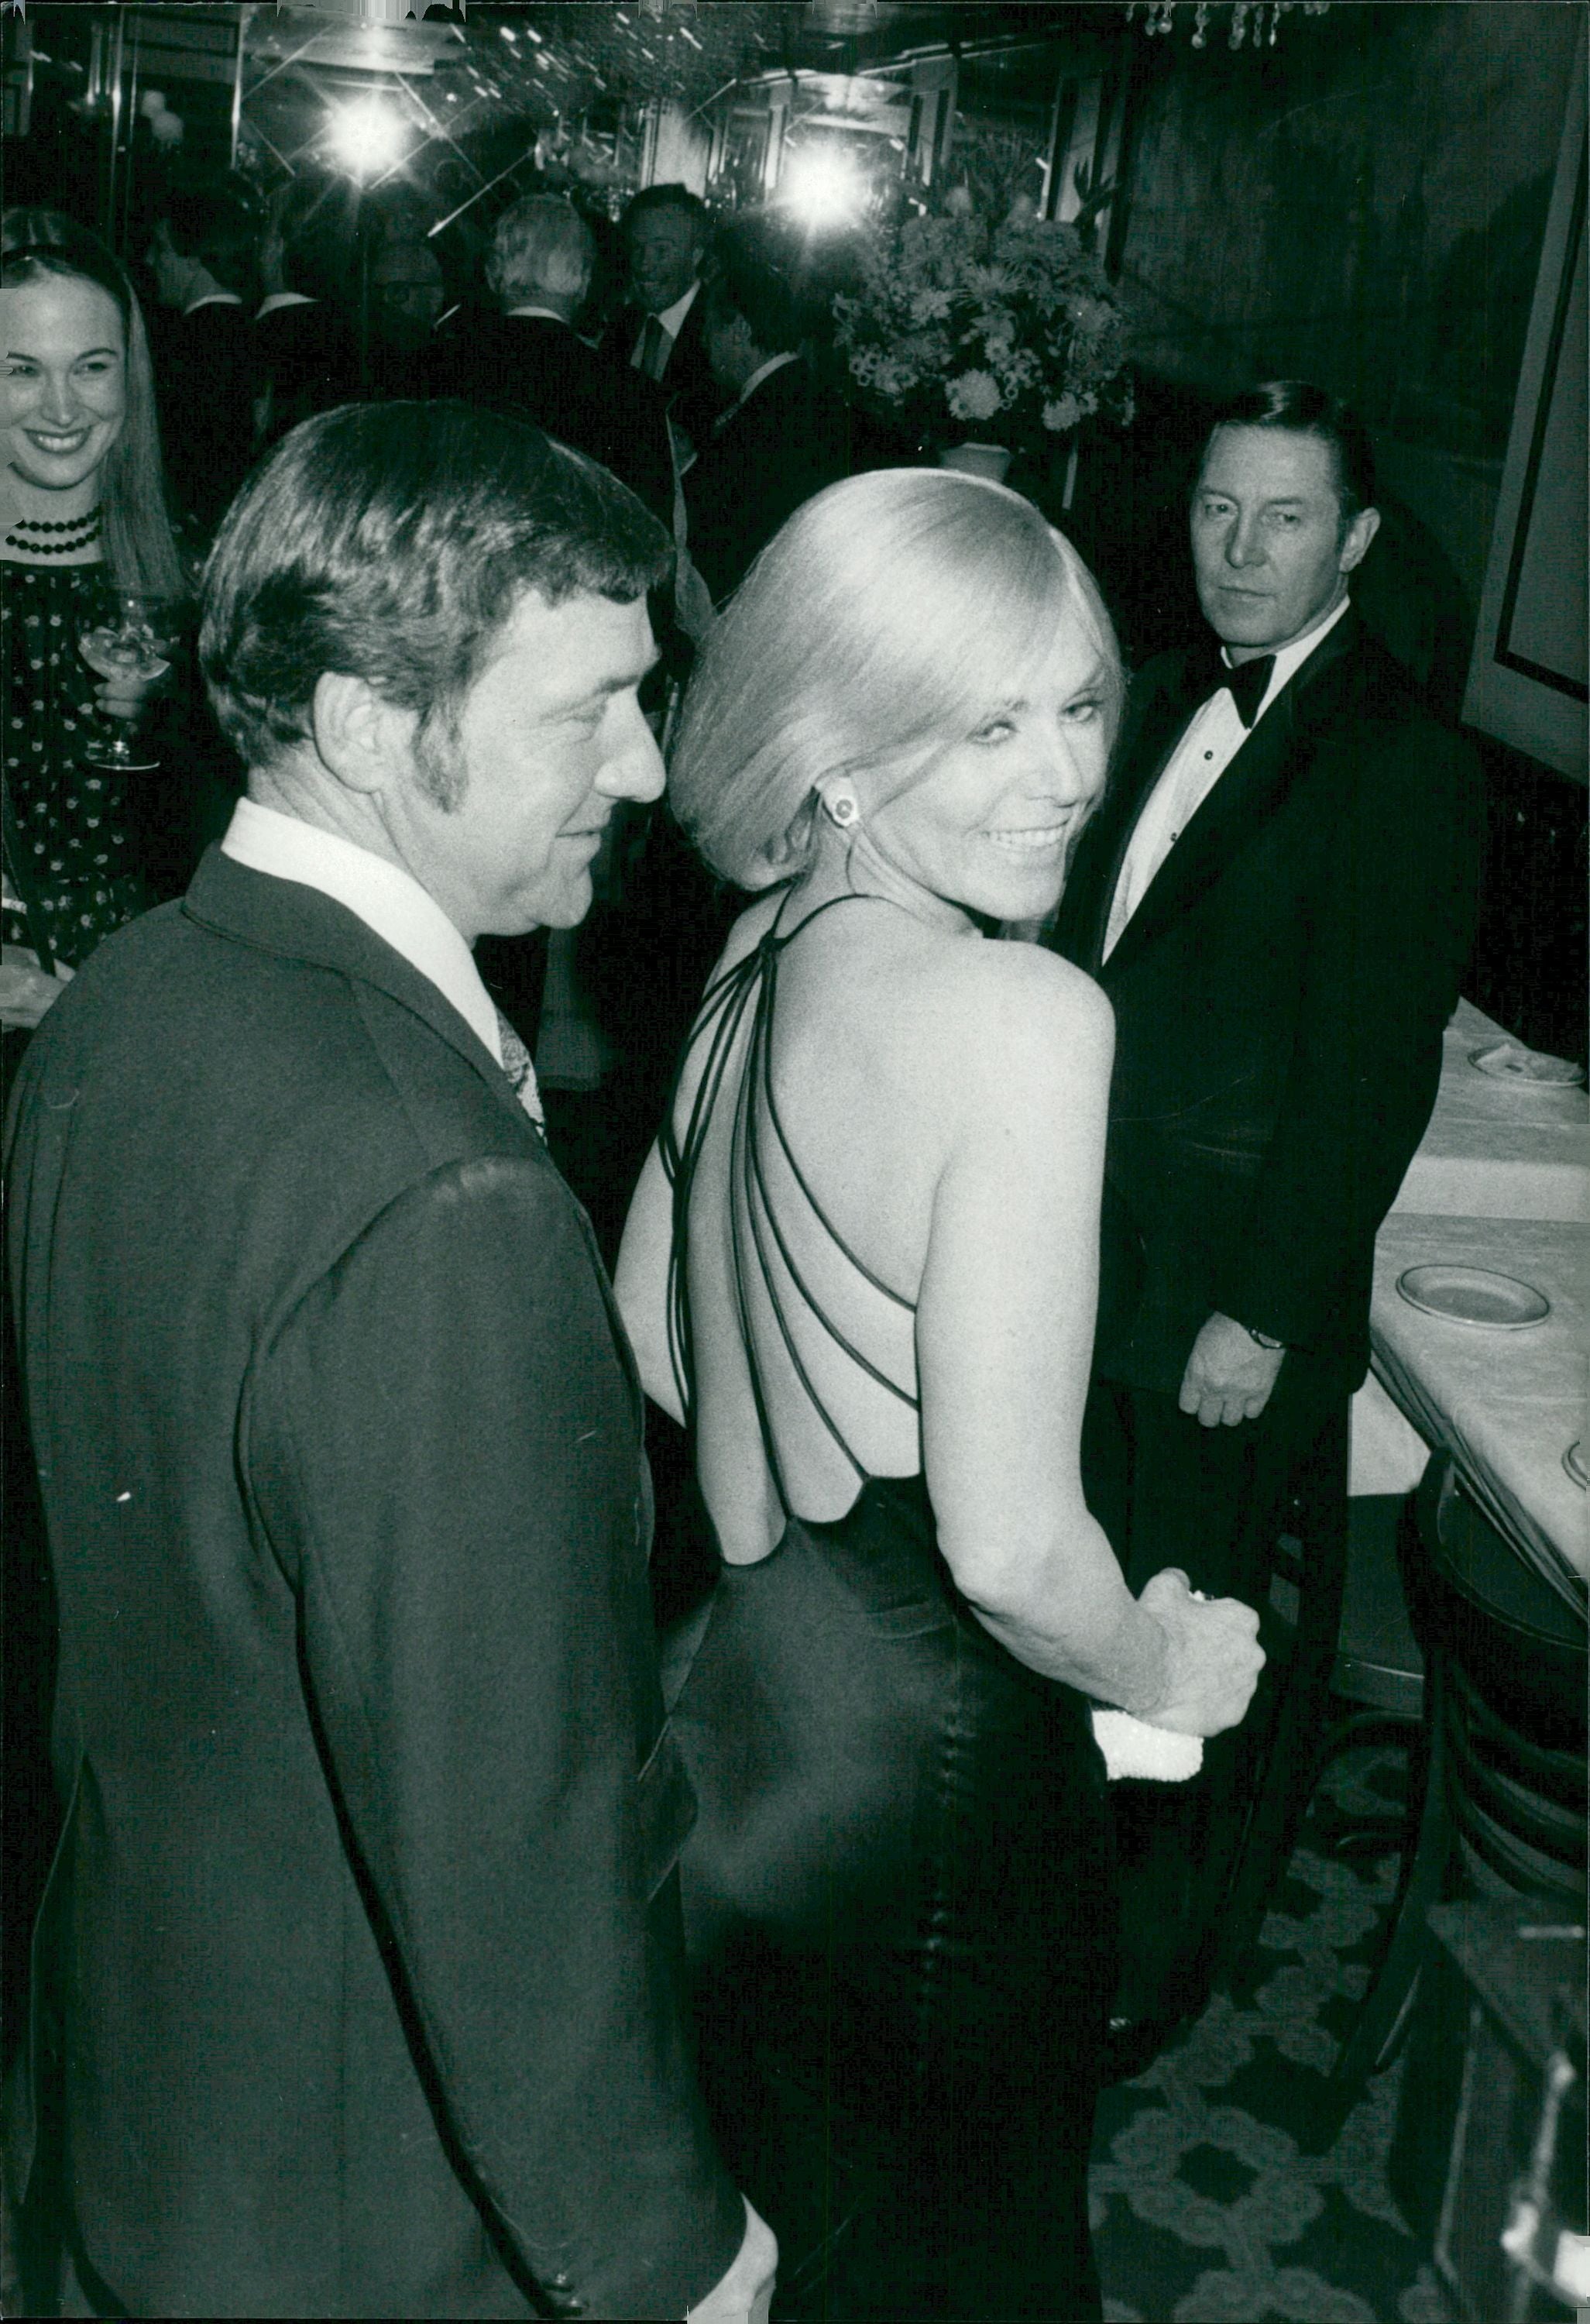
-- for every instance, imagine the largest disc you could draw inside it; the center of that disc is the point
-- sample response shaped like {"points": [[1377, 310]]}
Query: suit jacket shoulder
{"points": [[540, 370], [787, 440]]}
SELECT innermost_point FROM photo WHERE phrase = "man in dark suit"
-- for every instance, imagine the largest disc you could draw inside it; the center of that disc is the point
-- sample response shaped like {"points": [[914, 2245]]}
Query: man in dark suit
{"points": [[782, 437], [658, 330], [305, 357], [1278, 896], [202, 256], [357, 1978], [528, 359]]}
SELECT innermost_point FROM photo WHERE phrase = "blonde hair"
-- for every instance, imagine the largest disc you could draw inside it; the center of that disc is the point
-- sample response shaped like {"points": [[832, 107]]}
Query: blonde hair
{"points": [[887, 617]]}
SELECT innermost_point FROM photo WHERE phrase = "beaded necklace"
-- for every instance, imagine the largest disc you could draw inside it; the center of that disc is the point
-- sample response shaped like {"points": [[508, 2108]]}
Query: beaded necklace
{"points": [[77, 532]]}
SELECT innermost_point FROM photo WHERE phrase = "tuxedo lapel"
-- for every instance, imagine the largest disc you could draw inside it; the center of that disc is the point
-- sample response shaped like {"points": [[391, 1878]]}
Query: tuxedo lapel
{"points": [[1247, 792], [1151, 737]]}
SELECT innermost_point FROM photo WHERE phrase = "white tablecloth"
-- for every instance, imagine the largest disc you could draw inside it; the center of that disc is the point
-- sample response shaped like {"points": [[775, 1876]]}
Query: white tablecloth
{"points": [[1507, 1403], [1501, 1181]]}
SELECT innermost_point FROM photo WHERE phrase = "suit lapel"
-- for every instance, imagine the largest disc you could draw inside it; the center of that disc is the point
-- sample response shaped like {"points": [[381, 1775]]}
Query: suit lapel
{"points": [[1154, 729], [300, 923], [1248, 791]]}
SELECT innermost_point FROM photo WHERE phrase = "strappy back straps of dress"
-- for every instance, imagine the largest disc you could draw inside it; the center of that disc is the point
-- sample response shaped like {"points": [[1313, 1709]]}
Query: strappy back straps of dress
{"points": [[750, 988]]}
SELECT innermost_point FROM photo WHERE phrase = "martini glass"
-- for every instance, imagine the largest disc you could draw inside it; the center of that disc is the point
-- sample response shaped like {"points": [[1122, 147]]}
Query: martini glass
{"points": [[132, 648]]}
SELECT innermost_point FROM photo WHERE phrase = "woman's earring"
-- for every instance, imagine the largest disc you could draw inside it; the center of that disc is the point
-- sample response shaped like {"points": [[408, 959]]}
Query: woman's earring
{"points": [[844, 808]]}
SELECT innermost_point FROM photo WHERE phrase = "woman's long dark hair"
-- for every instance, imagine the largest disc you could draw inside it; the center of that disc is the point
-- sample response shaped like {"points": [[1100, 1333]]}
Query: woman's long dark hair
{"points": [[138, 543]]}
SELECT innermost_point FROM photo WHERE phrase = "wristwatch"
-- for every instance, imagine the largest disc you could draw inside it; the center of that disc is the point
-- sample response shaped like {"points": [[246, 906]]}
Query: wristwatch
{"points": [[1262, 1339]]}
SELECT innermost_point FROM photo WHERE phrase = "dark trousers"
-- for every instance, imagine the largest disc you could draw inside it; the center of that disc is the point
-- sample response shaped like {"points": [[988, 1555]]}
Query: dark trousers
{"points": [[1168, 1492]]}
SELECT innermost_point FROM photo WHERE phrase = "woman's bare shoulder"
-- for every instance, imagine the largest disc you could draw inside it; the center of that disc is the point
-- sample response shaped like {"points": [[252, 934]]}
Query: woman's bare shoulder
{"points": [[1006, 1004]]}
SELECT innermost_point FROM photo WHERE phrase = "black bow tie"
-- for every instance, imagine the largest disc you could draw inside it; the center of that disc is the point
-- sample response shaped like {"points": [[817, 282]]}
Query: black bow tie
{"points": [[1245, 684]]}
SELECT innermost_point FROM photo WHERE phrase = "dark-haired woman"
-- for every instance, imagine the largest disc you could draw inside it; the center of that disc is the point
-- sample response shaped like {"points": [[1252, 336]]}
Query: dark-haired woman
{"points": [[82, 514], [863, 1260]]}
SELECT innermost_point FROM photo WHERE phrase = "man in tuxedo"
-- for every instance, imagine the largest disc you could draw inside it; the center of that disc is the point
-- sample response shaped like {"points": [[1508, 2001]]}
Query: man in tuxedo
{"points": [[202, 256], [527, 357], [782, 437], [1278, 895], [658, 330], [357, 1980]]}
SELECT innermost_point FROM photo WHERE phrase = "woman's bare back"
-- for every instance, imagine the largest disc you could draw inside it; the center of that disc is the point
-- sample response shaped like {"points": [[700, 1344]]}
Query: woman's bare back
{"points": [[812, 1196]]}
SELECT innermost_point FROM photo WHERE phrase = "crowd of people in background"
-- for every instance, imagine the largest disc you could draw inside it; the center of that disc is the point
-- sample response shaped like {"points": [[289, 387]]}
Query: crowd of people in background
{"points": [[291, 1256], [689, 359]]}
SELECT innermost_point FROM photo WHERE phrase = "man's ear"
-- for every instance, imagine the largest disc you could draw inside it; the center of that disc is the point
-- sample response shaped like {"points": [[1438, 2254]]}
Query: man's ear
{"points": [[1356, 540], [362, 740]]}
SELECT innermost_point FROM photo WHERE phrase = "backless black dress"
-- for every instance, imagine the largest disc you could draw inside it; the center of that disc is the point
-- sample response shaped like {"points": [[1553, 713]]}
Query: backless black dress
{"points": [[899, 1891]]}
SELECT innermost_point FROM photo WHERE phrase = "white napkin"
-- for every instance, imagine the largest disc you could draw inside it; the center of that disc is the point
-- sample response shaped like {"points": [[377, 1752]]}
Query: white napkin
{"points": [[1131, 1746]]}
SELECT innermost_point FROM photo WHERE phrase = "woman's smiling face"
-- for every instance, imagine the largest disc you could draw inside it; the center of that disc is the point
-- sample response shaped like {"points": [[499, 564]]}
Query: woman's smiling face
{"points": [[990, 825], [64, 353]]}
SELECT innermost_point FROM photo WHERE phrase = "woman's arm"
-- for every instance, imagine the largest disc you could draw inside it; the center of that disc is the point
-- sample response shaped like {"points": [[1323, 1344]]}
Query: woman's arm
{"points": [[1005, 1332], [642, 1283]]}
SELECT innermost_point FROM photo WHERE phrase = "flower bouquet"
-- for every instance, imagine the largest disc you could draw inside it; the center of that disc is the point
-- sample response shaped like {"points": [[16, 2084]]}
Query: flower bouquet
{"points": [[1009, 333]]}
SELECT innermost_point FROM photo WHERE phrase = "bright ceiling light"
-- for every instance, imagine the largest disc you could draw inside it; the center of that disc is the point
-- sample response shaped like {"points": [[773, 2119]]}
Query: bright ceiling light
{"points": [[822, 187], [367, 136]]}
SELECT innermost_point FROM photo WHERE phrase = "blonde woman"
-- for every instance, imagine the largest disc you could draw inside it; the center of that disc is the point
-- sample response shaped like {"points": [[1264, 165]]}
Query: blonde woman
{"points": [[861, 1264]]}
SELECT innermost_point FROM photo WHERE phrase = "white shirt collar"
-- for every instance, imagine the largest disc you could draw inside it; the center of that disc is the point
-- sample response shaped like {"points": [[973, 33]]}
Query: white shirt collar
{"points": [[766, 371], [284, 299], [1289, 659], [671, 318], [213, 299], [389, 902]]}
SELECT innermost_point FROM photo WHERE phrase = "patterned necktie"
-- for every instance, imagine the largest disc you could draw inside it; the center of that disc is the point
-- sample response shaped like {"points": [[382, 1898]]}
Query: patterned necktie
{"points": [[651, 354], [521, 1072]]}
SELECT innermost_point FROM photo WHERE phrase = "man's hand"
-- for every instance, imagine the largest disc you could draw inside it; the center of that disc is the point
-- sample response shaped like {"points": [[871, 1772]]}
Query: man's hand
{"points": [[745, 2295], [1228, 1376]]}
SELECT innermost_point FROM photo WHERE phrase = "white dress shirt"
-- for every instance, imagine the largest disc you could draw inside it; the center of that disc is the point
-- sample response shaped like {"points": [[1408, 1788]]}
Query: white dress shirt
{"points": [[1194, 767], [389, 902]]}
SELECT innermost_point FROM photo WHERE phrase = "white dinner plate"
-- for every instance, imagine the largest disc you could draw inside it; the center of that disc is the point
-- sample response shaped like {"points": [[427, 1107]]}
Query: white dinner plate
{"points": [[1510, 1061], [1474, 1295]]}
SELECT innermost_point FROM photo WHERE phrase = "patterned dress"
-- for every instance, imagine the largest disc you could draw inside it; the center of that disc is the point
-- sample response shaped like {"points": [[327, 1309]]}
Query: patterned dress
{"points": [[70, 819]]}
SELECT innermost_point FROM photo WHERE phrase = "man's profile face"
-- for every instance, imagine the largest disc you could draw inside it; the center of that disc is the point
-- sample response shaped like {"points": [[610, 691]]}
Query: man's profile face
{"points": [[664, 250], [726, 336], [549, 738], [1269, 553]]}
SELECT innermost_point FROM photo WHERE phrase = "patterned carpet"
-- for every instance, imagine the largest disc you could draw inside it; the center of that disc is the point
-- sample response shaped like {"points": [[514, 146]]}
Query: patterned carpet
{"points": [[1207, 2206]]}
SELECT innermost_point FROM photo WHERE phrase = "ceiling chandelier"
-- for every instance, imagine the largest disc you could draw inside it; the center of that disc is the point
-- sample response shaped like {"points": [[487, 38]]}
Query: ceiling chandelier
{"points": [[1248, 18]]}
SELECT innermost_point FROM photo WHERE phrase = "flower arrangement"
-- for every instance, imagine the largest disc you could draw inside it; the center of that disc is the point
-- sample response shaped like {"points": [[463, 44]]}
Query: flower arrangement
{"points": [[1008, 333]]}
